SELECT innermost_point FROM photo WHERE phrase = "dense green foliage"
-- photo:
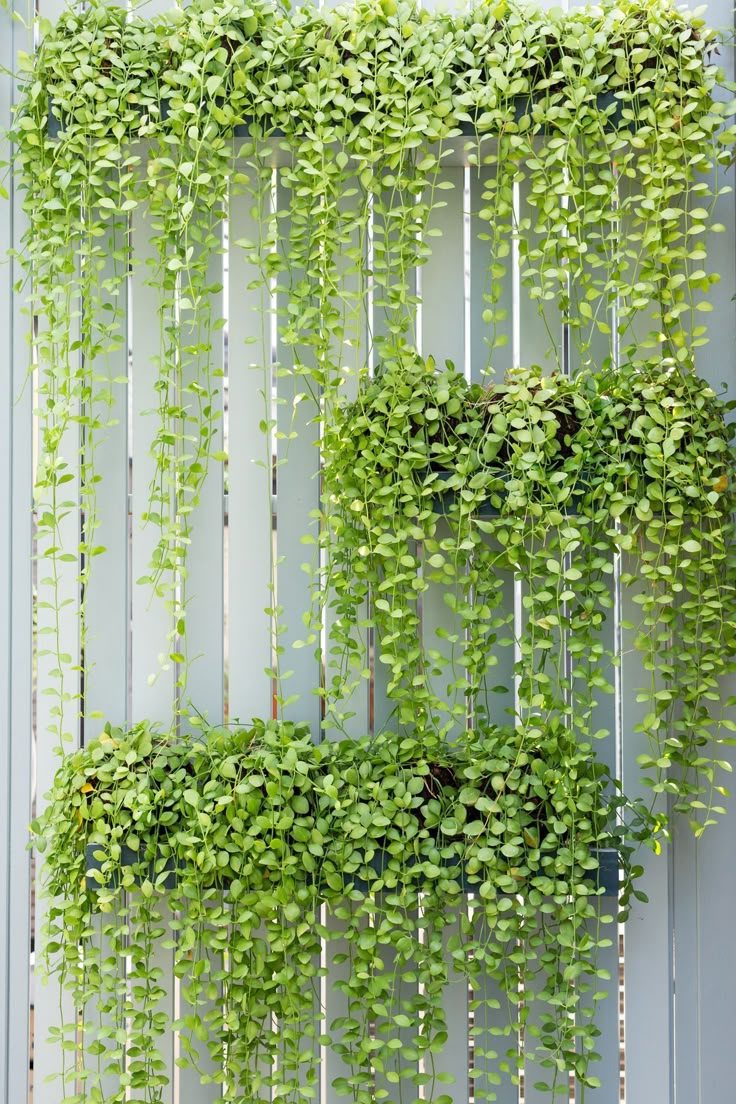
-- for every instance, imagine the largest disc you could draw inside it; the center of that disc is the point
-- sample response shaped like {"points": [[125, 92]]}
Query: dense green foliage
{"points": [[242, 850]]}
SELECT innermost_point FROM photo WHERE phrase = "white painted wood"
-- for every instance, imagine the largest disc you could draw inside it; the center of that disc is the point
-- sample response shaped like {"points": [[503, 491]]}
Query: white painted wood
{"points": [[52, 9], [538, 339], [205, 586], [703, 875], [250, 525], [108, 592], [153, 674], [443, 274], [107, 586], [604, 718], [350, 715], [58, 648], [205, 559], [494, 1046], [648, 966], [491, 345], [298, 564]]}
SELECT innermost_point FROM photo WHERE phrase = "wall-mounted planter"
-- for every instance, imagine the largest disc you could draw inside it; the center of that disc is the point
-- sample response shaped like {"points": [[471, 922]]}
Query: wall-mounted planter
{"points": [[605, 877], [444, 499], [519, 108]]}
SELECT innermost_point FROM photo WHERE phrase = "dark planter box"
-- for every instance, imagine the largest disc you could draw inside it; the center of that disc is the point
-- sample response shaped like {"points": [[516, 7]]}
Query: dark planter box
{"points": [[606, 876], [522, 105]]}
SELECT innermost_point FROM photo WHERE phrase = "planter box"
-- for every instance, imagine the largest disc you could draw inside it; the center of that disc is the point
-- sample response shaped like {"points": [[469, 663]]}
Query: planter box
{"points": [[522, 105], [606, 876]]}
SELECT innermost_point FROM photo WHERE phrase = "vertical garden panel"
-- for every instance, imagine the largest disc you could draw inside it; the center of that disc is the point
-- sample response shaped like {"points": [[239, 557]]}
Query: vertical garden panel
{"points": [[680, 974]]}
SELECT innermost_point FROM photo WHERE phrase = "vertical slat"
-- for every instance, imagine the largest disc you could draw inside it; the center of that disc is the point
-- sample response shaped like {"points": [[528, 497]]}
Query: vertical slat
{"points": [[540, 321], [705, 899], [350, 353], [298, 498], [648, 977], [16, 735], [491, 357], [443, 275], [250, 527], [383, 706], [152, 686], [443, 337], [107, 609], [538, 341], [205, 559], [153, 691], [205, 582], [606, 1018], [57, 626], [107, 593], [491, 346], [495, 1046]]}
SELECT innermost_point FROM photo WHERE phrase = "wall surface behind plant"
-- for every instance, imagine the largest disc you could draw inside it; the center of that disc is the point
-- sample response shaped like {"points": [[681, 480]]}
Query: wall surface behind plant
{"points": [[678, 1042]]}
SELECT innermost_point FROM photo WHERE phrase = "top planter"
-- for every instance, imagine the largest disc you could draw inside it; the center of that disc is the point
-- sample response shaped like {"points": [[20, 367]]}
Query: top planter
{"points": [[492, 69]]}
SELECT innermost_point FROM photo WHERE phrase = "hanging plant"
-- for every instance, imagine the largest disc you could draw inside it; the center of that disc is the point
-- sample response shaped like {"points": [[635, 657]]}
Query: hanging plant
{"points": [[230, 845], [547, 478]]}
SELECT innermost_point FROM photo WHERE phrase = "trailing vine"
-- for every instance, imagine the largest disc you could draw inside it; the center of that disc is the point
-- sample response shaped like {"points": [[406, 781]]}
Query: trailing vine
{"points": [[236, 841]]}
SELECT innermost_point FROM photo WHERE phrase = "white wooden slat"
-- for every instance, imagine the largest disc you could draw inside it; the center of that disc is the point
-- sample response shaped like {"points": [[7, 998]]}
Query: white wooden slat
{"points": [[159, 968], [539, 323], [153, 694], [604, 717], [52, 9], [537, 341], [383, 707], [205, 559], [107, 585], [443, 275], [107, 589], [491, 347], [352, 356], [494, 1045], [298, 497], [249, 529], [336, 1002], [395, 1081], [53, 1006], [443, 337], [153, 700], [205, 584], [350, 353], [648, 966], [704, 886], [16, 734]]}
